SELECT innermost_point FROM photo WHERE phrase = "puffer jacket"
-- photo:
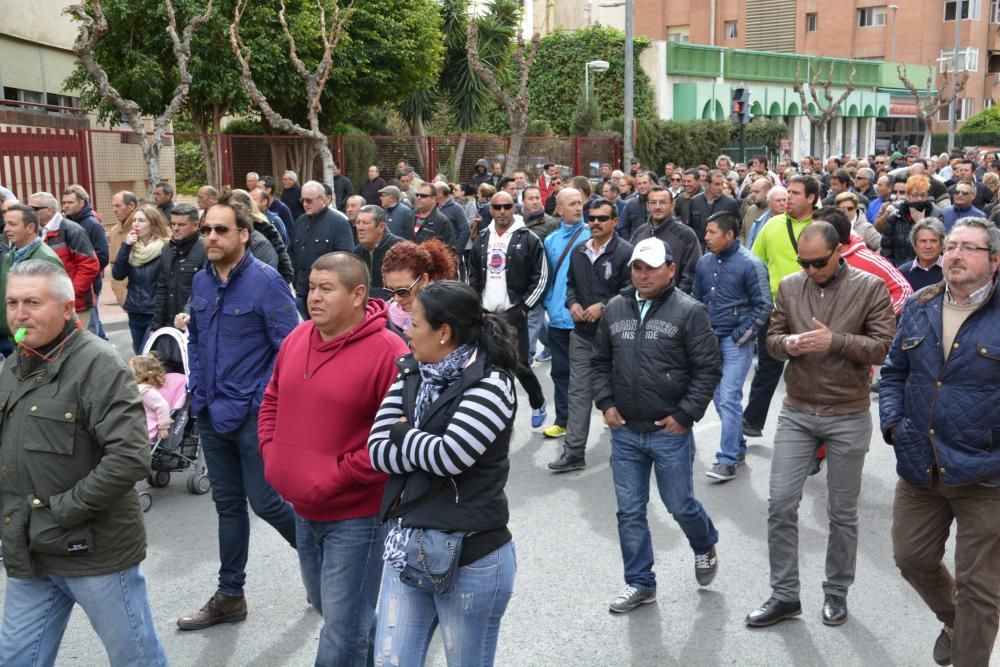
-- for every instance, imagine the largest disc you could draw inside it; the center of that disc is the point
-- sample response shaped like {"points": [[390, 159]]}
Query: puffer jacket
{"points": [[74, 436], [943, 414], [142, 281], [666, 365], [896, 246], [735, 288], [178, 264], [856, 307]]}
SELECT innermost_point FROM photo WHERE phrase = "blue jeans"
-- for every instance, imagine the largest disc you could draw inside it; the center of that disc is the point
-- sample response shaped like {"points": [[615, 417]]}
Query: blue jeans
{"points": [[729, 399], [671, 458], [469, 616], [559, 346], [341, 563], [536, 329], [36, 611], [138, 325], [95, 326], [236, 471]]}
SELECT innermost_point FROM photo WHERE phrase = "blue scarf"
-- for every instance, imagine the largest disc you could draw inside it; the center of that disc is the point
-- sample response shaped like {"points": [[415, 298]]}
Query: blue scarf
{"points": [[21, 253], [436, 378]]}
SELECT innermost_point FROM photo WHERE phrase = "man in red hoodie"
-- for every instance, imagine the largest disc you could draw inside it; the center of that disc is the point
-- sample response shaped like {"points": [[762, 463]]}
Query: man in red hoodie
{"points": [[329, 380]]}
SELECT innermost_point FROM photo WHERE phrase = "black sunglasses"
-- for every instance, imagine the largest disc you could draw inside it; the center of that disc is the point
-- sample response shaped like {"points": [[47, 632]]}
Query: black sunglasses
{"points": [[815, 263], [422, 195], [404, 292], [600, 218], [501, 207], [221, 230]]}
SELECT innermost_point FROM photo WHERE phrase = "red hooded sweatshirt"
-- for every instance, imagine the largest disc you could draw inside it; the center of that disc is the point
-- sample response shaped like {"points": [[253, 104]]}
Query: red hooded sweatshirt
{"points": [[317, 412]]}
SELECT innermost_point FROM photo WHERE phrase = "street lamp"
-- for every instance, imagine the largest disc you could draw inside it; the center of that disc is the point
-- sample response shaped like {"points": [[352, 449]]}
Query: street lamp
{"points": [[597, 66]]}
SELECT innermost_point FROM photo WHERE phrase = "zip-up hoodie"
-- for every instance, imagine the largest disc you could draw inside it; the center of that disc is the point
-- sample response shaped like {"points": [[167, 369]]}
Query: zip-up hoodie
{"points": [[314, 440], [517, 259], [555, 297]]}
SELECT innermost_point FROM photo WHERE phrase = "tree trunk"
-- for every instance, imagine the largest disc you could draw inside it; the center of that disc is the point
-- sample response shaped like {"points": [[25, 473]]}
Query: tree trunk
{"points": [[925, 145], [419, 133], [207, 155], [517, 130], [151, 156], [323, 148], [824, 130], [459, 154]]}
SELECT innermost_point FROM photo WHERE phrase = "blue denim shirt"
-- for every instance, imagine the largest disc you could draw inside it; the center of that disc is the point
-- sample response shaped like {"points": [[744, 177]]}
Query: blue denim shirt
{"points": [[235, 331]]}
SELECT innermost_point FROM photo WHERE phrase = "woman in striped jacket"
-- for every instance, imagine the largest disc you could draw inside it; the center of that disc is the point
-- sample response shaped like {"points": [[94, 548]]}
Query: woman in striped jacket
{"points": [[443, 433]]}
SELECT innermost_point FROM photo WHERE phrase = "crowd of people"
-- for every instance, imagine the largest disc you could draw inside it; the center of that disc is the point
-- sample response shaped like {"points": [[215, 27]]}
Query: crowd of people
{"points": [[395, 322]]}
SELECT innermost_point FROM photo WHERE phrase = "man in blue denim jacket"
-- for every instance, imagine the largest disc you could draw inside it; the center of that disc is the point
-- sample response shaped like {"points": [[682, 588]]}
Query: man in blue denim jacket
{"points": [[241, 311]]}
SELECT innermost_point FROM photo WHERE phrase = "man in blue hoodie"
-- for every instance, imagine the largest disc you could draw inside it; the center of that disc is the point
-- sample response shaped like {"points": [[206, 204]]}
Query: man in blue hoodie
{"points": [[558, 246]]}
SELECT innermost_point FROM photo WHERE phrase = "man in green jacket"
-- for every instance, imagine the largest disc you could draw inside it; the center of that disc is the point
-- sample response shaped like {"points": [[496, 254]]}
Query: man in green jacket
{"points": [[74, 445], [20, 225]]}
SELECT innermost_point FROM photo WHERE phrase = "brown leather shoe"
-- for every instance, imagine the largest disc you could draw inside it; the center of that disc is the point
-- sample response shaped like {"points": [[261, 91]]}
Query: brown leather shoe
{"points": [[218, 609]]}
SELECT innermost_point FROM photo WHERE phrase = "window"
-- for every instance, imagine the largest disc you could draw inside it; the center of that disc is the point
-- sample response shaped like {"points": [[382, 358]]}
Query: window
{"points": [[966, 107], [970, 9], [871, 17], [679, 33], [812, 20], [968, 60], [731, 30], [987, 103], [995, 11]]}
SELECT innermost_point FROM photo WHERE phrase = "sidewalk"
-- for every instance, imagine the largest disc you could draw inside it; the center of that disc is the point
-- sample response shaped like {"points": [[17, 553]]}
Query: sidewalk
{"points": [[112, 316]]}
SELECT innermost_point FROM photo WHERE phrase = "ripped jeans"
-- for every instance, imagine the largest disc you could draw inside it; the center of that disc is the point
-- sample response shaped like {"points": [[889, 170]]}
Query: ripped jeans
{"points": [[469, 616]]}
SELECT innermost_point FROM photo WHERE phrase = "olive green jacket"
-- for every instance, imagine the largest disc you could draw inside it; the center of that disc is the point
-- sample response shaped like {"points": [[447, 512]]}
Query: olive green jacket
{"points": [[41, 251], [73, 443]]}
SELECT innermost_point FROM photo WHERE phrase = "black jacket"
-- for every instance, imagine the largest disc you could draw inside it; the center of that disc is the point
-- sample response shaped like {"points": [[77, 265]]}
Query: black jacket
{"points": [[373, 260], [342, 189], [269, 232], [459, 224], [682, 204], [699, 211], [140, 298], [435, 225], [683, 244], [527, 267], [290, 198], [667, 365], [314, 237], [98, 238], [896, 245], [370, 188], [589, 283], [634, 216], [178, 264], [472, 501]]}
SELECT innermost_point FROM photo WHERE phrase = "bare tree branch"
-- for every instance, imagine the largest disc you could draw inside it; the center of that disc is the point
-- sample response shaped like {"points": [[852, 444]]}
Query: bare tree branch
{"points": [[93, 26], [929, 106], [824, 113]]}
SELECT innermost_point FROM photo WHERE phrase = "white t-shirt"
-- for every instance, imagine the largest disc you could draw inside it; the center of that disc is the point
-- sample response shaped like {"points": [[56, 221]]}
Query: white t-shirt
{"points": [[495, 298]]}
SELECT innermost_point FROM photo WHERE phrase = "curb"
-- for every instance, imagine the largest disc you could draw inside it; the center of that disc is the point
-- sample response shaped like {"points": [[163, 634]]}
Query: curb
{"points": [[115, 326]]}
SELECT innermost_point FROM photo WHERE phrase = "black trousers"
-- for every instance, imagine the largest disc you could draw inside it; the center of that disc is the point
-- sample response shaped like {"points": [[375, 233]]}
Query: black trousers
{"points": [[517, 318], [765, 381]]}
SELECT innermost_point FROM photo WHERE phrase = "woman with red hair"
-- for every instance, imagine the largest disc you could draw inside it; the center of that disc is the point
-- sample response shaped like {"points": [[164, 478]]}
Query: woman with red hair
{"points": [[407, 268]]}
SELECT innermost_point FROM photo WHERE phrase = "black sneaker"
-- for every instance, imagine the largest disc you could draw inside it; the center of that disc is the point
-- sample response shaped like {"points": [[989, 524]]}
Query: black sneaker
{"points": [[630, 598], [705, 566], [751, 431], [942, 647], [566, 463], [722, 472]]}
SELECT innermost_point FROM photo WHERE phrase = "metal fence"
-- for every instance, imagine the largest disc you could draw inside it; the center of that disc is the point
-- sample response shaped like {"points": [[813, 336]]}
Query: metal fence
{"points": [[108, 161]]}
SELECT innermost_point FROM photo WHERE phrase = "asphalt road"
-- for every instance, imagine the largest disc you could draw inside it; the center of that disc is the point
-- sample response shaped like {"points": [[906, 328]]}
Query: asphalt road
{"points": [[569, 568]]}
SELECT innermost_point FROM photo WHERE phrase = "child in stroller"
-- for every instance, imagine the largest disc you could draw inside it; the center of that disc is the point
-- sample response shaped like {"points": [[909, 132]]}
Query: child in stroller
{"points": [[150, 376]]}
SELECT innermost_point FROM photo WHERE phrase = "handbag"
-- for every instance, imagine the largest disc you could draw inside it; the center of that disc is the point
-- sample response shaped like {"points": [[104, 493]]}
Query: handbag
{"points": [[429, 558]]}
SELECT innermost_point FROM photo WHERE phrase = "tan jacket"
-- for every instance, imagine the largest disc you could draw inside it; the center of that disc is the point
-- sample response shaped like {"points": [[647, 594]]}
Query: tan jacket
{"points": [[116, 236], [856, 307]]}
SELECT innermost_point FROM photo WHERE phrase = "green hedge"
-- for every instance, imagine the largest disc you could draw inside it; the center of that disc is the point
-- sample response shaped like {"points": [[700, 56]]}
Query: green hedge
{"points": [[685, 142], [939, 142]]}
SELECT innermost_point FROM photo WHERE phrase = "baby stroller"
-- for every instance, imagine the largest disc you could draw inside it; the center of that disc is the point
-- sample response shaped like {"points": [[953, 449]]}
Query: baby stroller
{"points": [[180, 450]]}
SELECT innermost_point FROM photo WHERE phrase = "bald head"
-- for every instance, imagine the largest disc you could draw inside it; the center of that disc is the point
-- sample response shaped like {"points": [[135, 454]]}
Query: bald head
{"points": [[569, 205]]}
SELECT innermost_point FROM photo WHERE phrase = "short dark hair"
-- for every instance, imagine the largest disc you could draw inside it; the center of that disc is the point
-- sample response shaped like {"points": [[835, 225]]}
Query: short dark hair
{"points": [[186, 210], [504, 181], [244, 218], [725, 221], [581, 183], [693, 172], [530, 187], [267, 182], [838, 219], [351, 270], [327, 190], [611, 185], [601, 201], [166, 187], [810, 184], [28, 214], [842, 176]]}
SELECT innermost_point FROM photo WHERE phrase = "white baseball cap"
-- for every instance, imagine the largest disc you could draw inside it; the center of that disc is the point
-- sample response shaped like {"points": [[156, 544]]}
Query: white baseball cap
{"points": [[653, 252]]}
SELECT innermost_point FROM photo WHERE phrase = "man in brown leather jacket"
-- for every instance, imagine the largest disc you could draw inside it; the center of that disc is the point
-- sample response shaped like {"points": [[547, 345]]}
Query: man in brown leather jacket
{"points": [[832, 322]]}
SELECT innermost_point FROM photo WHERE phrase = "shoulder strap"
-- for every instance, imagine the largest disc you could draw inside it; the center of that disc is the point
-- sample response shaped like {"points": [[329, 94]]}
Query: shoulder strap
{"points": [[567, 249], [791, 234]]}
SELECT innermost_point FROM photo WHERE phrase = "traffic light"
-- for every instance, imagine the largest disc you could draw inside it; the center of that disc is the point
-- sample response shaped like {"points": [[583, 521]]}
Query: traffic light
{"points": [[741, 106]]}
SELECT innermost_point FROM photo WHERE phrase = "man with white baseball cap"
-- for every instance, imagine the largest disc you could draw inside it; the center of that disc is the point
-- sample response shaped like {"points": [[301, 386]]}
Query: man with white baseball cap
{"points": [[655, 367]]}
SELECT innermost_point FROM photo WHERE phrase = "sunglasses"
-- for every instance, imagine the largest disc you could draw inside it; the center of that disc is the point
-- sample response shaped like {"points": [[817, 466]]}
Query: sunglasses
{"points": [[814, 263], [404, 292], [966, 193], [307, 201], [501, 207], [600, 218], [422, 195], [676, 180], [221, 230]]}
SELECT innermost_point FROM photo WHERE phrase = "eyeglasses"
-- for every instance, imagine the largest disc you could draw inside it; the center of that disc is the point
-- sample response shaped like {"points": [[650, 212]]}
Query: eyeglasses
{"points": [[221, 230], [964, 248], [403, 292], [818, 263], [676, 180], [307, 201], [501, 207], [600, 218], [422, 195], [964, 193], [849, 209]]}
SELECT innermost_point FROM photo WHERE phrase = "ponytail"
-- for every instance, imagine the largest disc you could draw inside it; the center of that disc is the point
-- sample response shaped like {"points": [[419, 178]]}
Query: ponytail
{"points": [[496, 341]]}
